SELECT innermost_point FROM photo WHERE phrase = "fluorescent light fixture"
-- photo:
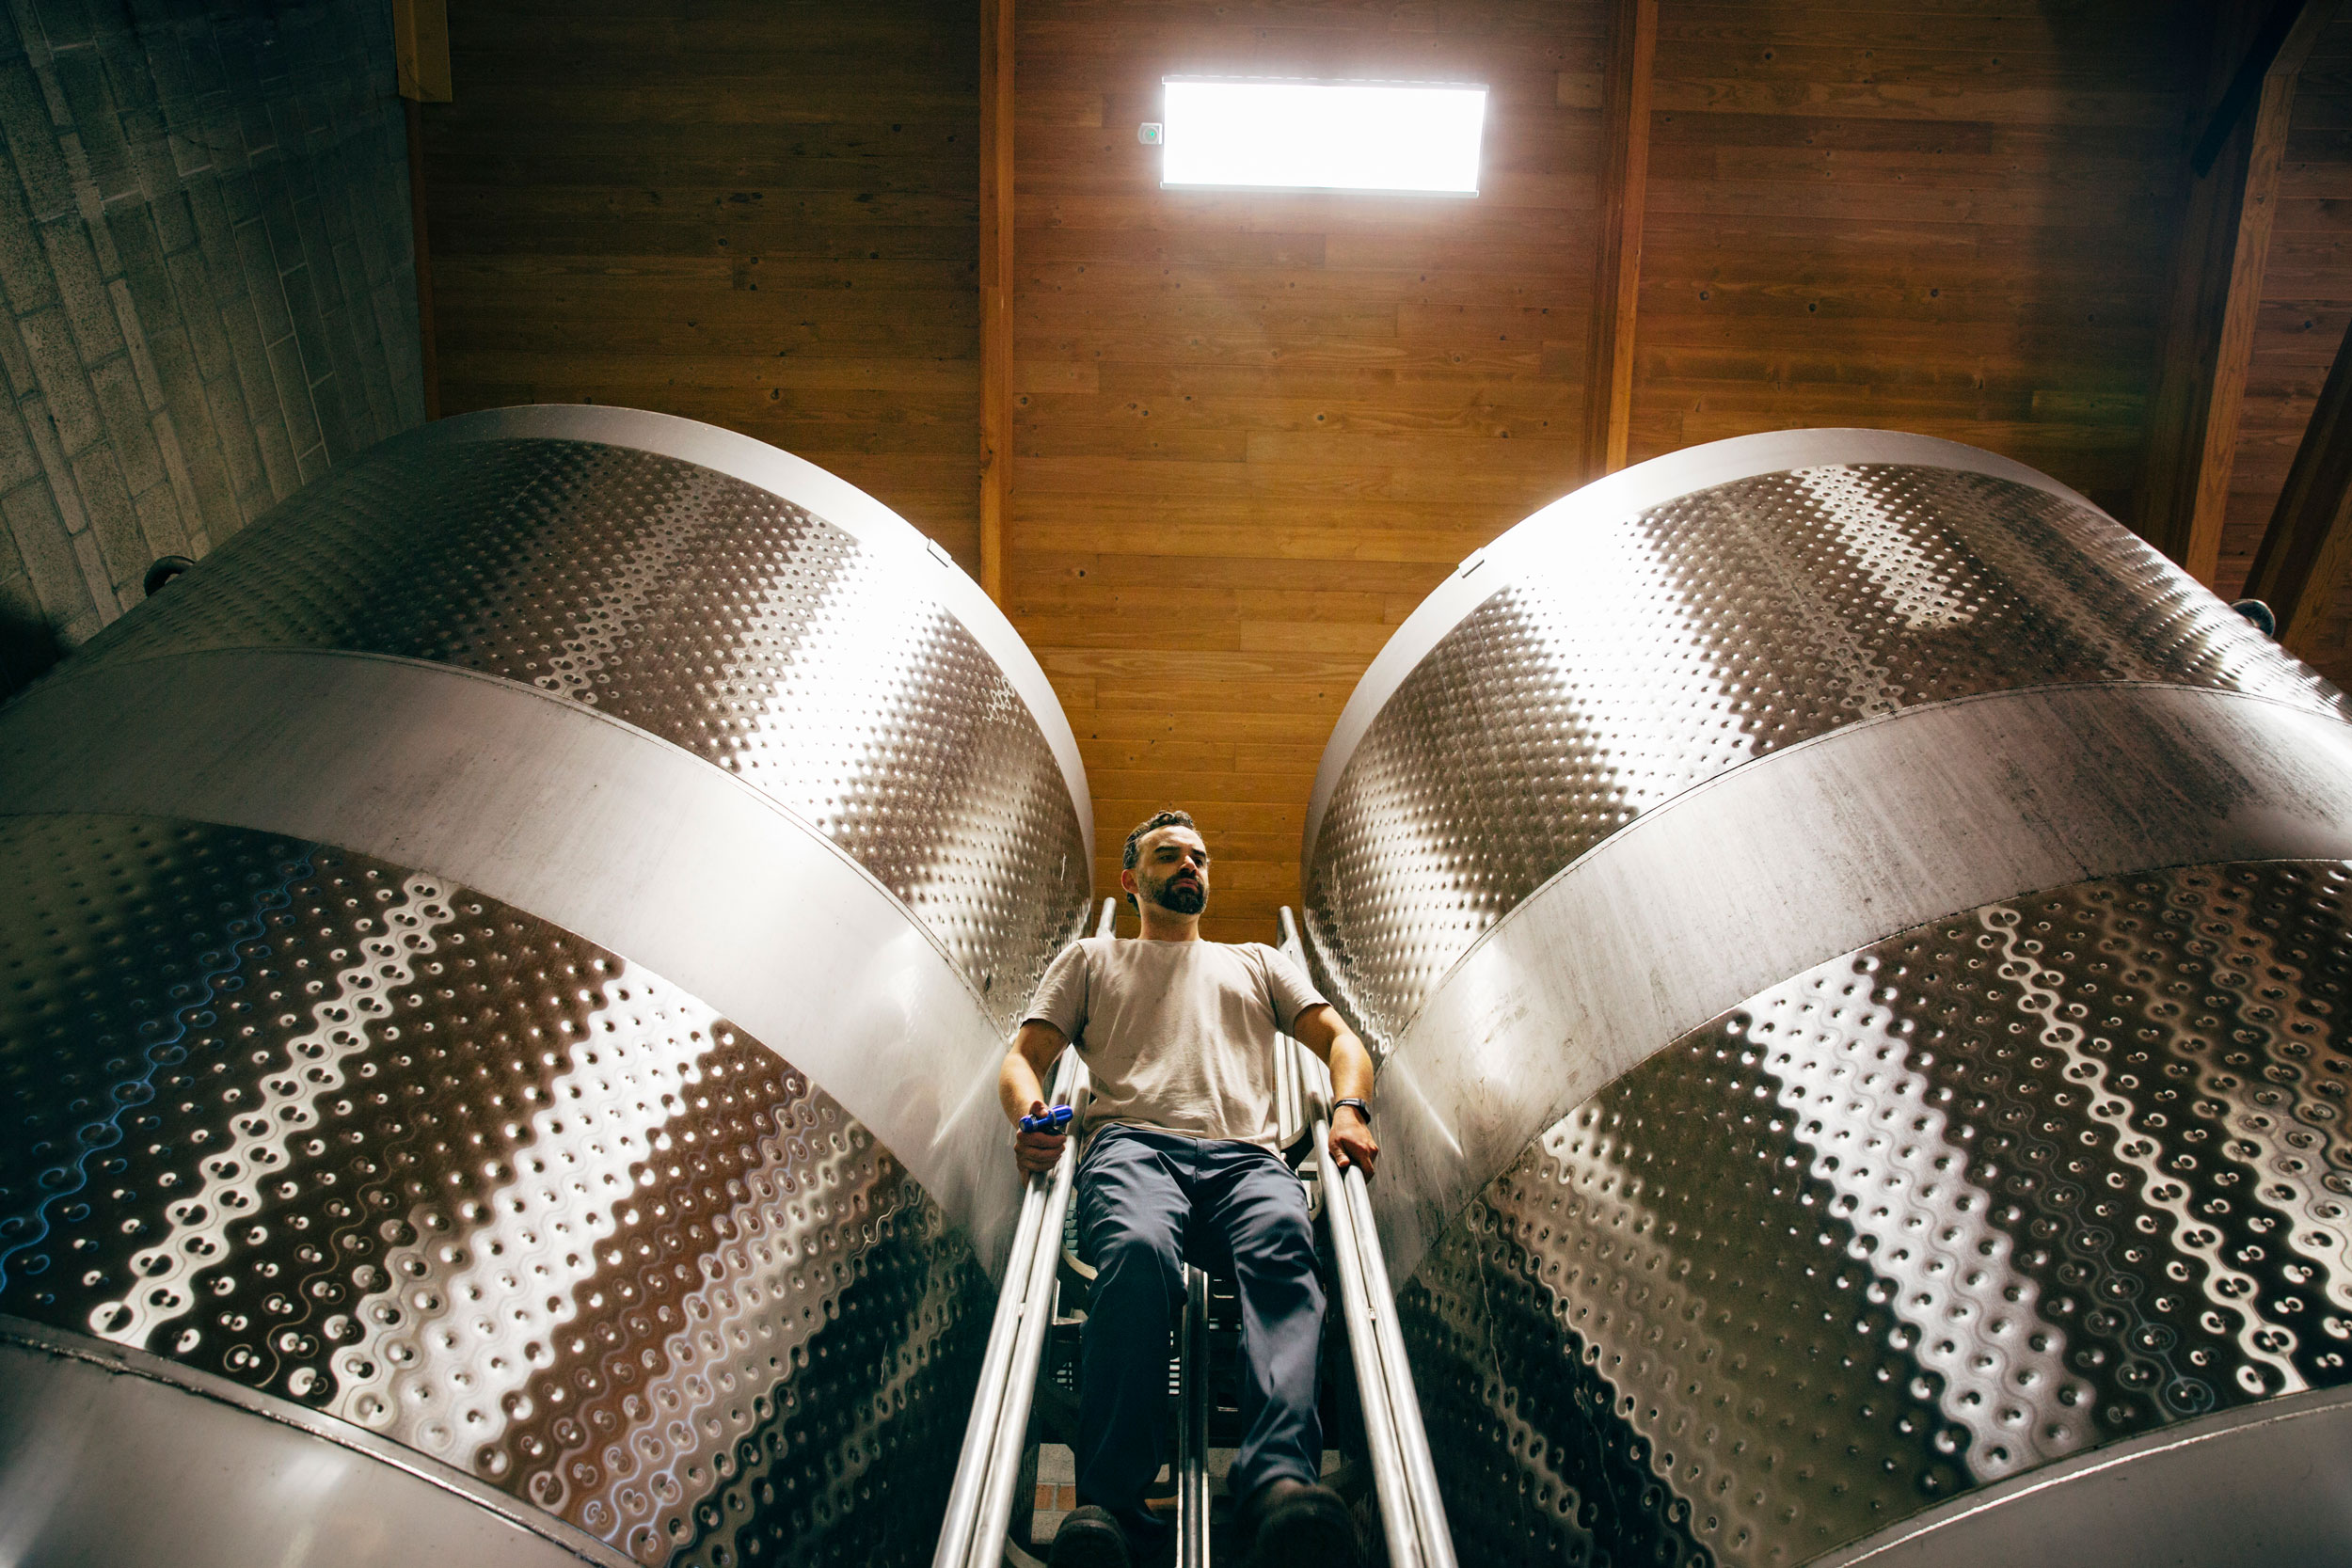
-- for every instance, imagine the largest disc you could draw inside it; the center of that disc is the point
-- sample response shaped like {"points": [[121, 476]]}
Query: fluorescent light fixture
{"points": [[1322, 135]]}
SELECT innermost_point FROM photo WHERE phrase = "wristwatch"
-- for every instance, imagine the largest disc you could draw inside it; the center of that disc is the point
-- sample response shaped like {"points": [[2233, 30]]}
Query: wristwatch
{"points": [[1361, 1109]]}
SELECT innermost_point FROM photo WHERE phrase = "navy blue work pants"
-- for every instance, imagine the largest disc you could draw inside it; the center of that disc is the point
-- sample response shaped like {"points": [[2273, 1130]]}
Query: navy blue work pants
{"points": [[1148, 1203]]}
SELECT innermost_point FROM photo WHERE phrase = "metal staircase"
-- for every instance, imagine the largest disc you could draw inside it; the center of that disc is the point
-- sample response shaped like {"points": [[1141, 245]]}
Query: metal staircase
{"points": [[1027, 1393]]}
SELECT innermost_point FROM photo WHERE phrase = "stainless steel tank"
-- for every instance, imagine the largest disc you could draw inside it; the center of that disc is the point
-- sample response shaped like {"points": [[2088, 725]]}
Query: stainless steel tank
{"points": [[501, 976], [1858, 948]]}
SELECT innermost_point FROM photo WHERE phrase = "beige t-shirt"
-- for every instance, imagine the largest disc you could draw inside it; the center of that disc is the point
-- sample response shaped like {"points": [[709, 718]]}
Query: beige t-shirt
{"points": [[1176, 1036]]}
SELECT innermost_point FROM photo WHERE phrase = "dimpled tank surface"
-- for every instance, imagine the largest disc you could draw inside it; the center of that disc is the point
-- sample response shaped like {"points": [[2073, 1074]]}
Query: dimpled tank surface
{"points": [[503, 959], [1928, 1218]]}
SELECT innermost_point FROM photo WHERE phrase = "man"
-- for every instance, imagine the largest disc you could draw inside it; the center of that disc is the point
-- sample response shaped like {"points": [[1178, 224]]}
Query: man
{"points": [[1179, 1164]]}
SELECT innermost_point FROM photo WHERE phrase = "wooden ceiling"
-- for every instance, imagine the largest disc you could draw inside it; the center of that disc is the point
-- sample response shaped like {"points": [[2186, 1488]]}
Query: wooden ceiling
{"points": [[1249, 431], [762, 214]]}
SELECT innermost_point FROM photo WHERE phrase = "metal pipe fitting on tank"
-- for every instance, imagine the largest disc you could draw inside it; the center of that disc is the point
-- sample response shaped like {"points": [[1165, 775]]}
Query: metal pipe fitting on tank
{"points": [[506, 966], [1857, 947]]}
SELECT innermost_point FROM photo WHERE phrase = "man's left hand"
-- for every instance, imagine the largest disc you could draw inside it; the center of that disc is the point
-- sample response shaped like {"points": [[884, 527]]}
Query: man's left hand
{"points": [[1352, 1143]]}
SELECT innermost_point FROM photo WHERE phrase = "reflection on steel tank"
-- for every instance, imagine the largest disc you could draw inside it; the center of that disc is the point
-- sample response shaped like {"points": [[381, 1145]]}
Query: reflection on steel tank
{"points": [[505, 967], [1859, 949]]}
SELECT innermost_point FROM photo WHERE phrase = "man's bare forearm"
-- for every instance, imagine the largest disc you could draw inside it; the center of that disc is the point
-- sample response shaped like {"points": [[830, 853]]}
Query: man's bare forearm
{"points": [[1321, 1030], [1021, 1089], [1351, 1066], [1021, 1083]]}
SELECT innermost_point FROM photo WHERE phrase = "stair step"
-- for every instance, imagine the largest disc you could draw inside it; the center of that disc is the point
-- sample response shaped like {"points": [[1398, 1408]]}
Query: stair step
{"points": [[1057, 1488]]}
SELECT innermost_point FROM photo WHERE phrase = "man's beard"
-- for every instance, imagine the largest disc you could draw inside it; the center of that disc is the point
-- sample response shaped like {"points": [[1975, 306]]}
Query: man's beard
{"points": [[1181, 898]]}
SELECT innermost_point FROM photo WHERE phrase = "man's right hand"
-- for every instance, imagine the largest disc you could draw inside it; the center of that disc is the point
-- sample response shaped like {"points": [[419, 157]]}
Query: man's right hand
{"points": [[1036, 1151]]}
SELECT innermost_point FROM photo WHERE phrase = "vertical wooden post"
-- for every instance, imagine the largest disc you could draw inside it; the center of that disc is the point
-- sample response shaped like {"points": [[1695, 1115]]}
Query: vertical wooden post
{"points": [[1624, 188], [2306, 553], [428, 358], [997, 220], [2183, 493], [421, 49], [421, 62]]}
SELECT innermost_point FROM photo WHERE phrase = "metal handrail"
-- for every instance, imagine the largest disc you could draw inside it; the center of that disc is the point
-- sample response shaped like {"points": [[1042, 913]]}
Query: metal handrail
{"points": [[980, 1432], [1420, 1470], [1037, 1315], [980, 1503], [1412, 1514], [1192, 1425], [1363, 1348], [1287, 1120]]}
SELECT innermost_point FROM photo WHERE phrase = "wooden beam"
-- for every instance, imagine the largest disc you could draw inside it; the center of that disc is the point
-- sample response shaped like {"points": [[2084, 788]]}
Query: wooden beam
{"points": [[2306, 552], [421, 49], [1624, 188], [2183, 492], [2246, 85], [420, 63], [996, 222], [428, 356]]}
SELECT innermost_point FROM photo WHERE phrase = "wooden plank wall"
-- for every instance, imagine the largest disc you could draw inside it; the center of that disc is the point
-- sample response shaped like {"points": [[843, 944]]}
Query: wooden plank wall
{"points": [[1256, 429], [2307, 305], [1950, 217], [757, 213], [1252, 431]]}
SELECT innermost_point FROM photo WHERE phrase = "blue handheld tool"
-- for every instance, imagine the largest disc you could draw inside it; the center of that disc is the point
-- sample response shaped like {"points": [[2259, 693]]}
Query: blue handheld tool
{"points": [[1055, 1120]]}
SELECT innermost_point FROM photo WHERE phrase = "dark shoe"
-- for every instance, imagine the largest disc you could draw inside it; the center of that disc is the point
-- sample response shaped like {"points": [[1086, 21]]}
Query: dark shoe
{"points": [[1089, 1538], [1292, 1524]]}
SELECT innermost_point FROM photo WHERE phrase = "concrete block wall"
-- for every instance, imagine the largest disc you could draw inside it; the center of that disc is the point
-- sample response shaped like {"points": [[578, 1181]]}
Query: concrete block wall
{"points": [[207, 293]]}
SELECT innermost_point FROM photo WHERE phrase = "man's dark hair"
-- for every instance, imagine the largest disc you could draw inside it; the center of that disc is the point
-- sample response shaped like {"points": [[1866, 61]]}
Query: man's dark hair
{"points": [[1156, 820]]}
